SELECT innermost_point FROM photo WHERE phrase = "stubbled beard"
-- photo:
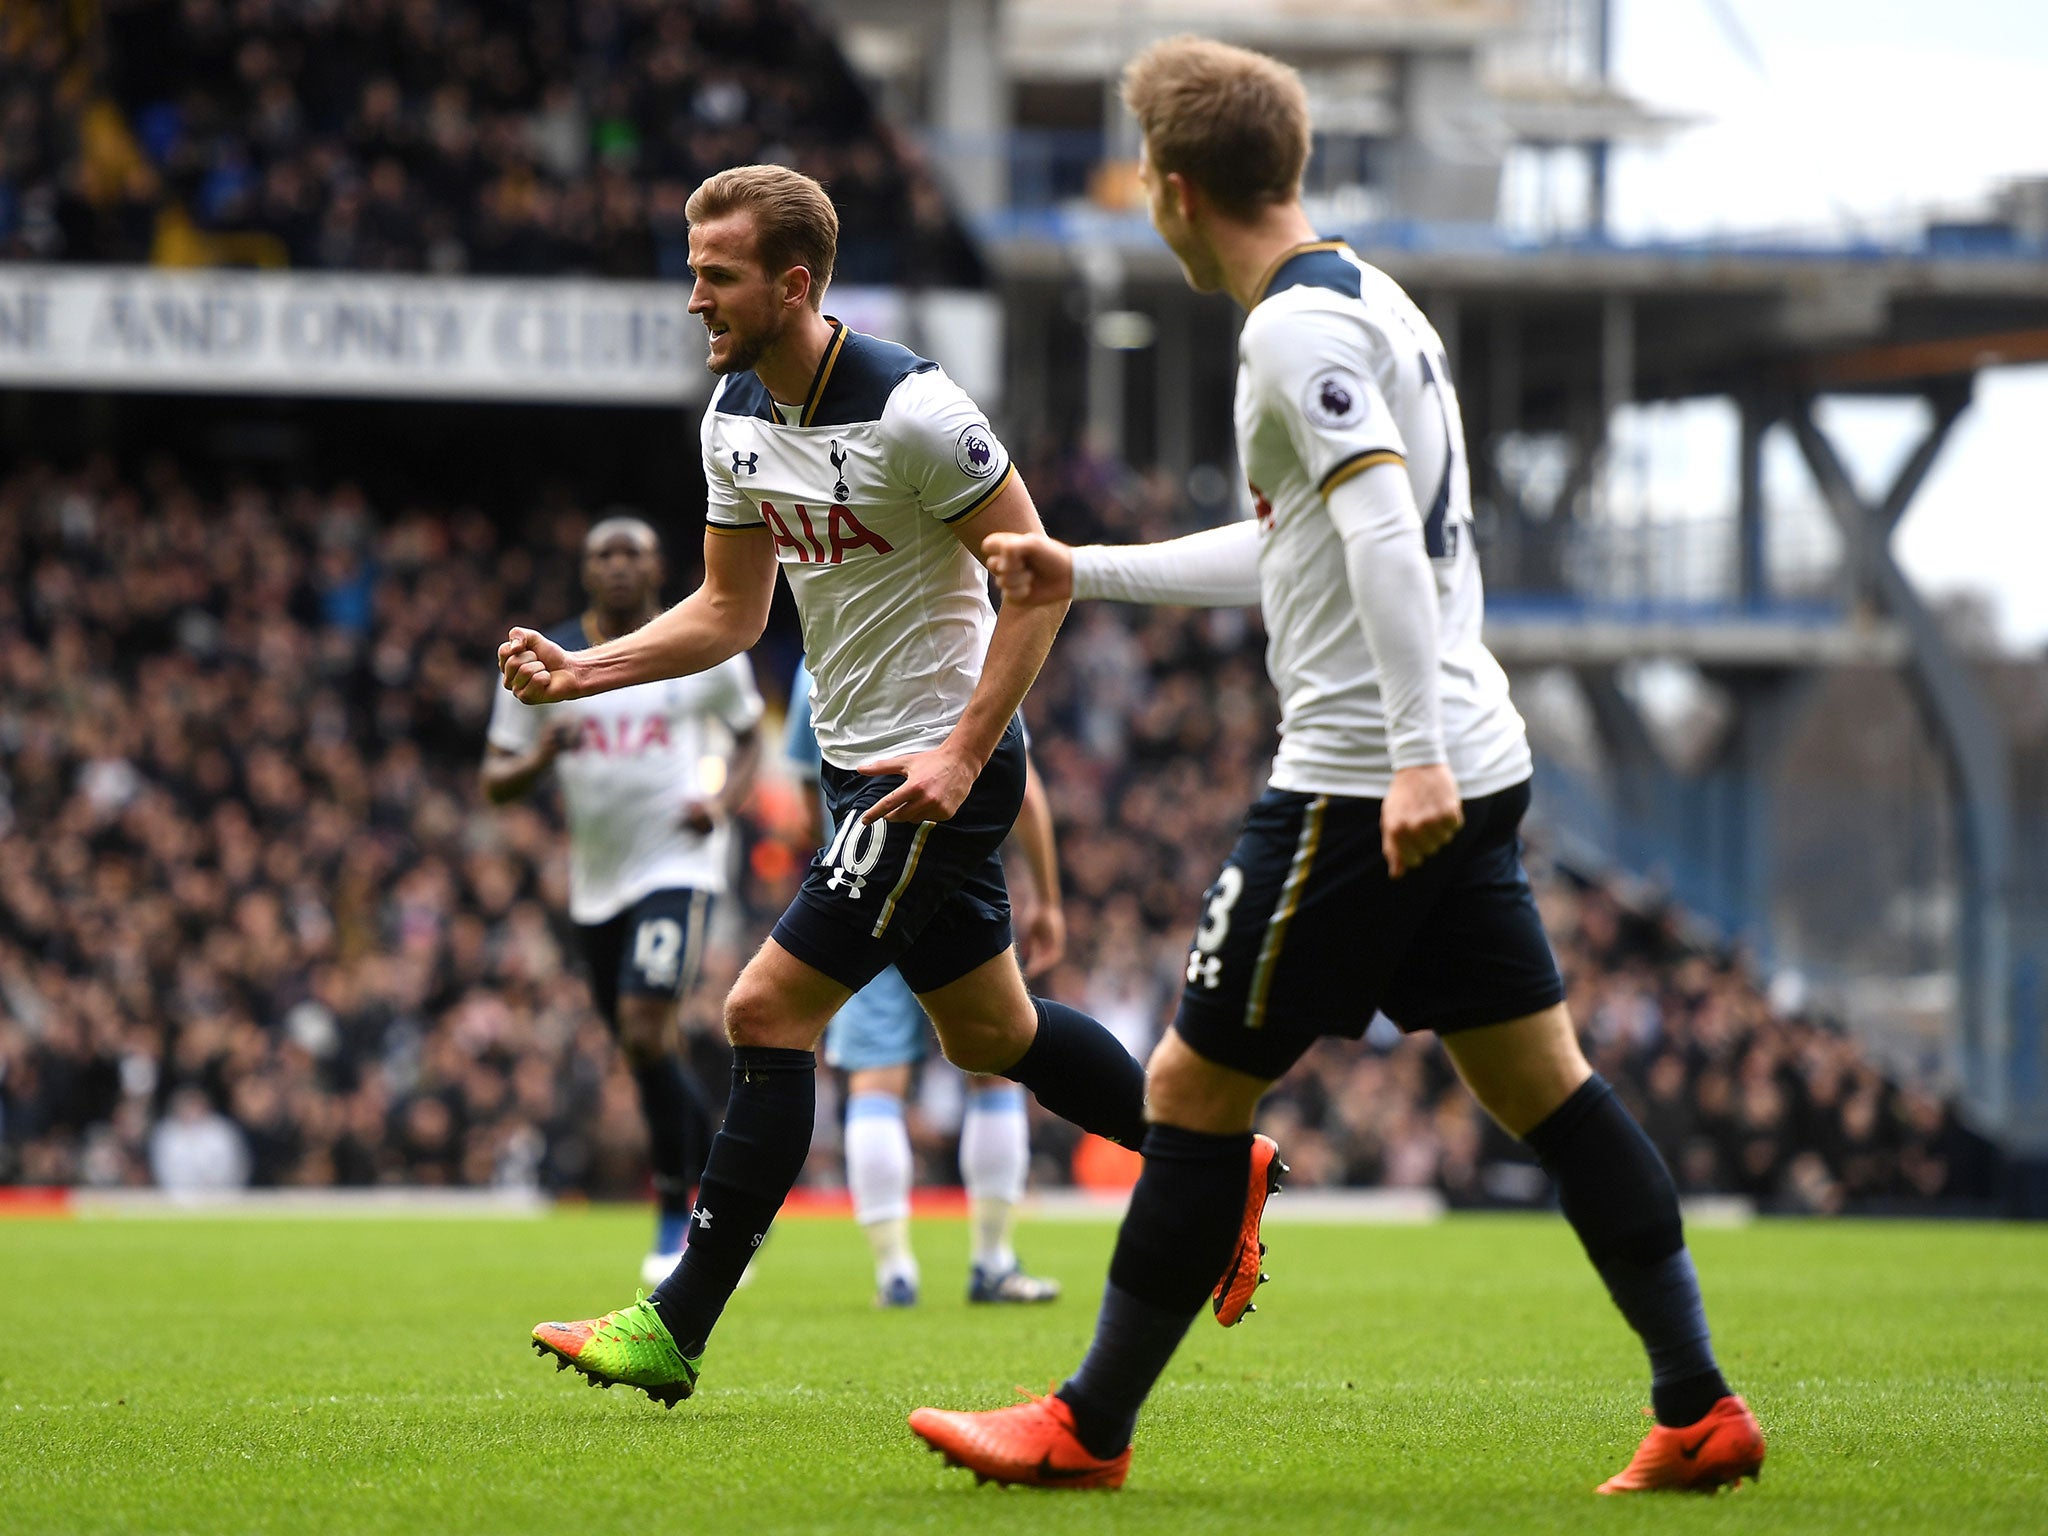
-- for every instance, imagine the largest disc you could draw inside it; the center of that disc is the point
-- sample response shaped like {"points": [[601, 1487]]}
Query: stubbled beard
{"points": [[743, 356]]}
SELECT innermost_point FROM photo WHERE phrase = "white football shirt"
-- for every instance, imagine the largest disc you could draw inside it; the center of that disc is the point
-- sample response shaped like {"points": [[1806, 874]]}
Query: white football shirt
{"points": [[856, 487], [1338, 370], [642, 754]]}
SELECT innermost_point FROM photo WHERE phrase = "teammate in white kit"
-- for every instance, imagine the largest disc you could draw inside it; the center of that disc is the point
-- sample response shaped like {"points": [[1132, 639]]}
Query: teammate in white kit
{"points": [[878, 1038], [872, 482], [651, 777], [1381, 869]]}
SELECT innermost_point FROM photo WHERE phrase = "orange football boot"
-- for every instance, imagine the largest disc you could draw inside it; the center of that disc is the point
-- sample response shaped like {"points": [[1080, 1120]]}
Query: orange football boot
{"points": [[1032, 1442], [1720, 1451], [1232, 1298]]}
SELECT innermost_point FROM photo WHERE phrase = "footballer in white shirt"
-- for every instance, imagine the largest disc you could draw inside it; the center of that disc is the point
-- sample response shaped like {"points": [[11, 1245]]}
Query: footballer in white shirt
{"points": [[1381, 870], [872, 483], [651, 777]]}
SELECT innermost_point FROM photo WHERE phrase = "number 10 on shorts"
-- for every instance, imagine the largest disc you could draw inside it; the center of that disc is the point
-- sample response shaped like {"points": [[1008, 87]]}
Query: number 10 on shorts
{"points": [[855, 851]]}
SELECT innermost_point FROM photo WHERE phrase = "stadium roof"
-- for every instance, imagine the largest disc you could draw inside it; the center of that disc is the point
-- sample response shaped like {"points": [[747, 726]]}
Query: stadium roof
{"points": [[1704, 317]]}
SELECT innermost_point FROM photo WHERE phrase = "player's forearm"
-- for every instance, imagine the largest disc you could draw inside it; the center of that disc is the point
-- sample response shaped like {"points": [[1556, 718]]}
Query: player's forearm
{"points": [[1395, 592], [740, 773], [1216, 568], [1034, 837], [694, 636], [508, 776], [1023, 635]]}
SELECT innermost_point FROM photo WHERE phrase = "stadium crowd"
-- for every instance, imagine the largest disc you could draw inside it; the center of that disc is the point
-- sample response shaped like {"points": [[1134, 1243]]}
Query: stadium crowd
{"points": [[257, 926], [500, 136]]}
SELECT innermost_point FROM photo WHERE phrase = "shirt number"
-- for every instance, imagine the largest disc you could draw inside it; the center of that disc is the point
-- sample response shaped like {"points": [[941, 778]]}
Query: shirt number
{"points": [[1205, 966]]}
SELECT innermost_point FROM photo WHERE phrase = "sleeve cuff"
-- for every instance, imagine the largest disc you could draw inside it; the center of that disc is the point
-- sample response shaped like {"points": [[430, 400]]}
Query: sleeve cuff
{"points": [[1087, 565], [982, 500], [1357, 464], [1420, 754]]}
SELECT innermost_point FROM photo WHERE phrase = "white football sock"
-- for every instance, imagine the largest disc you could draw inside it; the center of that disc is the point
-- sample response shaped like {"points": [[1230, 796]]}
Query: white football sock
{"points": [[890, 1242], [995, 1157], [878, 1168]]}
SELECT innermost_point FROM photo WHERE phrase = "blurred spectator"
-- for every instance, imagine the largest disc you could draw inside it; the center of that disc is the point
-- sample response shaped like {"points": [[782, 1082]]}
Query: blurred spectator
{"points": [[429, 136], [194, 1150]]}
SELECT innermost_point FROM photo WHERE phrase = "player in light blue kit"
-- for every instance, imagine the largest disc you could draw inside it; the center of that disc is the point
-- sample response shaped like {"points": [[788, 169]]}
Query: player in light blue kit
{"points": [[879, 1037]]}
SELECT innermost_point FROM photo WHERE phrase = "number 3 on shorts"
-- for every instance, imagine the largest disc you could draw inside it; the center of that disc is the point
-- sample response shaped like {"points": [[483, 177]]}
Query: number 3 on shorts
{"points": [[1205, 966]]}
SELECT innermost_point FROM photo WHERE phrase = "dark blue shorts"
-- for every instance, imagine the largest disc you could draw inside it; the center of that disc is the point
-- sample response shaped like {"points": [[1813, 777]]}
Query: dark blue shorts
{"points": [[926, 897], [1305, 935], [652, 949]]}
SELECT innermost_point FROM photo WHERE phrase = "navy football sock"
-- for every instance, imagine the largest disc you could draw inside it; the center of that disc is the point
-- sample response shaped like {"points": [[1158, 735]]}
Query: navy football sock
{"points": [[1180, 1231], [1618, 1196], [1079, 1071], [754, 1162], [678, 1129]]}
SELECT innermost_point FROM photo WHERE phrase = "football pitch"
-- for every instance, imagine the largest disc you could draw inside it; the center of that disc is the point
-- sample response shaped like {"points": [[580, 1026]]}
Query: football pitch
{"points": [[373, 1375]]}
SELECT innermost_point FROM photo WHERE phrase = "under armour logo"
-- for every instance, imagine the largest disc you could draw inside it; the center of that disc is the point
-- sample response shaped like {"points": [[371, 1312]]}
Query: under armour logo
{"points": [[855, 851], [1204, 970], [839, 468], [701, 1216], [745, 463]]}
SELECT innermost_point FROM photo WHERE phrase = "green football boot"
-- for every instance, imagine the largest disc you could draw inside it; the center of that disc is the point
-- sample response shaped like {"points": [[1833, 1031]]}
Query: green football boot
{"points": [[630, 1347]]}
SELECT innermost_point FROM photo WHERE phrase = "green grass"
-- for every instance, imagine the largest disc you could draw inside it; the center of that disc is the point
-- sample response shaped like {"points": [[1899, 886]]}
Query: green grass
{"points": [[359, 1376]]}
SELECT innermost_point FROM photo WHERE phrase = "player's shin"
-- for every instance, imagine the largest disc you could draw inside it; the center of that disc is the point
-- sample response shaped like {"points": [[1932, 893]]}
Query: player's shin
{"points": [[678, 1136], [754, 1162], [878, 1175], [1079, 1071], [995, 1158], [1619, 1197], [1178, 1235]]}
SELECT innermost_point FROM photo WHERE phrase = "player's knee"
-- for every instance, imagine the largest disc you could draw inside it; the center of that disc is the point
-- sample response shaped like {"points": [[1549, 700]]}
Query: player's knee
{"points": [[1522, 1072], [1189, 1091], [750, 1014], [1175, 1094], [892, 1081], [646, 1029], [985, 1031], [983, 1046], [757, 1014]]}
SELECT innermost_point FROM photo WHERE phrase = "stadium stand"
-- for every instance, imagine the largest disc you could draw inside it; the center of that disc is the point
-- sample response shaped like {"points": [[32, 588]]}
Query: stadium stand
{"points": [[255, 924], [504, 138]]}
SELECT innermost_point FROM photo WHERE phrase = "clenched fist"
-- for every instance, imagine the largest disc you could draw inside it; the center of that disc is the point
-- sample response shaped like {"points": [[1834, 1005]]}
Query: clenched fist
{"points": [[537, 670], [1030, 568], [1421, 813]]}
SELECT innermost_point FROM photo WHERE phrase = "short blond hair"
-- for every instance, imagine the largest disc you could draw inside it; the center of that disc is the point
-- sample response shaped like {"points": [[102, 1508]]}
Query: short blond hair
{"points": [[795, 224], [1233, 122]]}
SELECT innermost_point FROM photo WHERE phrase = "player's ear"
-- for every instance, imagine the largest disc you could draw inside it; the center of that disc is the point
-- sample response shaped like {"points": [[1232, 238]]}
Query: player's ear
{"points": [[796, 287], [1184, 195]]}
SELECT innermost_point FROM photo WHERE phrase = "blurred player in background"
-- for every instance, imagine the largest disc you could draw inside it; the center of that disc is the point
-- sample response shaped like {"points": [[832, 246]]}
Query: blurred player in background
{"points": [[879, 1037], [651, 777], [871, 482], [1381, 871]]}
